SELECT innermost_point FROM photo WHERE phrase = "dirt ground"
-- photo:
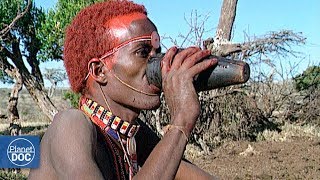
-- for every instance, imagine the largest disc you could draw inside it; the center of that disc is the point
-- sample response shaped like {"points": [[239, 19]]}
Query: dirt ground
{"points": [[297, 158], [294, 158]]}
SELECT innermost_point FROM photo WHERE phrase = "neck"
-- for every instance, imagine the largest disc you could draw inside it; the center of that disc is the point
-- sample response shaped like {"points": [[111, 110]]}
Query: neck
{"points": [[120, 110]]}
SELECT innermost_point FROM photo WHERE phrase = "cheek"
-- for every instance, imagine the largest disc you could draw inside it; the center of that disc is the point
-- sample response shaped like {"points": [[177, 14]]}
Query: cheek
{"points": [[135, 68], [110, 63], [130, 67]]}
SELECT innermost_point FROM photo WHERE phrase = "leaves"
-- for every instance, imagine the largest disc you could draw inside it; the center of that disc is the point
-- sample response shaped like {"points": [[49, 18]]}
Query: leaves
{"points": [[52, 31], [19, 20], [73, 98], [5, 78], [310, 78]]}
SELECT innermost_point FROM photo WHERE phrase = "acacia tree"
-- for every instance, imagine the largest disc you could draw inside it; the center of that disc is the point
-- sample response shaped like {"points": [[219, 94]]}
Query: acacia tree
{"points": [[29, 36], [55, 76], [52, 30], [20, 47], [7, 76]]}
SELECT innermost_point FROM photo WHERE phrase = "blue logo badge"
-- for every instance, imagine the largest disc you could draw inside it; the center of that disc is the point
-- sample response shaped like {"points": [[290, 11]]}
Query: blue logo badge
{"points": [[19, 151]]}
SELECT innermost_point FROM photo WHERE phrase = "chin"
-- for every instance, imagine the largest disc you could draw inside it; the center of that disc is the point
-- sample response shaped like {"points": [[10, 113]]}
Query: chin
{"points": [[153, 107], [150, 103]]}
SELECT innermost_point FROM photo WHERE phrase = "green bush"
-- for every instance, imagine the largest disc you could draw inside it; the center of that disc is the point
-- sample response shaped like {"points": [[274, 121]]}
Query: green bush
{"points": [[310, 78], [11, 175], [72, 97]]}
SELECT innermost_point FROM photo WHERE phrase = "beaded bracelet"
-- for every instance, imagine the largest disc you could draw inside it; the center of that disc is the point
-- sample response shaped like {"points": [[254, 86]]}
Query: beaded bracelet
{"points": [[168, 127]]}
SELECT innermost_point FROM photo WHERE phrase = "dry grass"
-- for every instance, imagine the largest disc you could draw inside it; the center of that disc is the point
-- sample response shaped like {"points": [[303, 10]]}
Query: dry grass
{"points": [[33, 122], [32, 119], [31, 116], [289, 131]]}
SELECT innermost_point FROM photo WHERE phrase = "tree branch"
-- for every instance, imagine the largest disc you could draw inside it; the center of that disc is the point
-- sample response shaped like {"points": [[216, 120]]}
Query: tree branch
{"points": [[227, 17], [7, 52], [274, 42], [6, 66], [4, 31]]}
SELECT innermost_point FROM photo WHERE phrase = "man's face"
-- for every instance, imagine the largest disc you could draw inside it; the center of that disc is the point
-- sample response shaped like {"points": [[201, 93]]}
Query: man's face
{"points": [[129, 63]]}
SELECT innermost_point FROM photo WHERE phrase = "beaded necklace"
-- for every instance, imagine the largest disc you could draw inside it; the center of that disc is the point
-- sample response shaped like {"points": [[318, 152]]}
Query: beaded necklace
{"points": [[116, 129]]}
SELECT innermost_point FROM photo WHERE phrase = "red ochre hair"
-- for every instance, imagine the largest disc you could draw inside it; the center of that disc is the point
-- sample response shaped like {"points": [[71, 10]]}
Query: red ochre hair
{"points": [[87, 37]]}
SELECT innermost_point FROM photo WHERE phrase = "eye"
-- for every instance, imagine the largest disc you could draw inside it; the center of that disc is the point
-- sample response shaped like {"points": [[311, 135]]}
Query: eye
{"points": [[143, 52], [158, 50]]}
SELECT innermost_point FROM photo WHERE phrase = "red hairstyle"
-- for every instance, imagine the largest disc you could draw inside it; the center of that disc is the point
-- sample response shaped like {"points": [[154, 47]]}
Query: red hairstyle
{"points": [[87, 37]]}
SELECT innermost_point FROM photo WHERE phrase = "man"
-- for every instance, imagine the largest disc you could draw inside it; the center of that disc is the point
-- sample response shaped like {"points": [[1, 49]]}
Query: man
{"points": [[106, 51]]}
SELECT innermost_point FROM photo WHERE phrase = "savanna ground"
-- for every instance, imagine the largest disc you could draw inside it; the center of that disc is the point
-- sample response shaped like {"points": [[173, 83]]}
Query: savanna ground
{"points": [[292, 153]]}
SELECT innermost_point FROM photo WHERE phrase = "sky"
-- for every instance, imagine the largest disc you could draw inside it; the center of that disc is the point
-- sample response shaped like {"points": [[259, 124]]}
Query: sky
{"points": [[256, 18], [253, 17]]}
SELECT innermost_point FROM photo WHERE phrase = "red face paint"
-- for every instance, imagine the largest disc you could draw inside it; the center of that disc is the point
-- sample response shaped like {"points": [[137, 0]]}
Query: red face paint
{"points": [[154, 38], [119, 28], [125, 20], [119, 25]]}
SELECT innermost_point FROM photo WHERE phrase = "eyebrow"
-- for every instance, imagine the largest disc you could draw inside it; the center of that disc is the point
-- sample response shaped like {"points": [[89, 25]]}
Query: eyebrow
{"points": [[141, 44]]}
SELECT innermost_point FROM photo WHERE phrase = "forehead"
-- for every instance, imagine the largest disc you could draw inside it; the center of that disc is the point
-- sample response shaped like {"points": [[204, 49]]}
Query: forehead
{"points": [[129, 26]]}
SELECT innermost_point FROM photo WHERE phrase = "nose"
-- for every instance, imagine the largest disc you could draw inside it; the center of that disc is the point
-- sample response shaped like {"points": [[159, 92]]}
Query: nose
{"points": [[153, 52]]}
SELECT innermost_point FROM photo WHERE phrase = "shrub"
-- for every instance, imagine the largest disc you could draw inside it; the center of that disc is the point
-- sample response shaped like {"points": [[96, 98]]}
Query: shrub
{"points": [[72, 97], [11, 175], [310, 78]]}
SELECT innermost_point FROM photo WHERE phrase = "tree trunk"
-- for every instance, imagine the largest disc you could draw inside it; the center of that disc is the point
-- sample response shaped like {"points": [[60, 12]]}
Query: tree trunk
{"points": [[35, 89], [39, 95], [227, 17], [52, 89], [12, 109], [3, 116]]}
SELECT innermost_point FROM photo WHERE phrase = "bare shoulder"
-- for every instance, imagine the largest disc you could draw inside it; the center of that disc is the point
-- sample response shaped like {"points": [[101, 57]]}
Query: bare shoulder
{"points": [[70, 120], [69, 145], [70, 126], [70, 129]]}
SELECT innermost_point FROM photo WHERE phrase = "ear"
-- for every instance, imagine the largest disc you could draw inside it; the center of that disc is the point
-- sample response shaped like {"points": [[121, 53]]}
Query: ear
{"points": [[98, 71]]}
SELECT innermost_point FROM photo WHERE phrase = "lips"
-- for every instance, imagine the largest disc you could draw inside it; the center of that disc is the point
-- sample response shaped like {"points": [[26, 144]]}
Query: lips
{"points": [[154, 89]]}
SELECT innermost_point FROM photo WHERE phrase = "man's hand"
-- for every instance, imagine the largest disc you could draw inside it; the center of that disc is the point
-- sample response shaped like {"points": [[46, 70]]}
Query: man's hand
{"points": [[178, 72]]}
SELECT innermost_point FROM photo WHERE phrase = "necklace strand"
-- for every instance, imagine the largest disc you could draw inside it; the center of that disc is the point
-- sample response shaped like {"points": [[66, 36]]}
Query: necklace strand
{"points": [[112, 126], [116, 152]]}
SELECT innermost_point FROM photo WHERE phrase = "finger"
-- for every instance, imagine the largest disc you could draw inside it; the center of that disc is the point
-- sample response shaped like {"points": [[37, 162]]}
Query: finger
{"points": [[195, 58], [199, 67], [167, 59], [183, 55]]}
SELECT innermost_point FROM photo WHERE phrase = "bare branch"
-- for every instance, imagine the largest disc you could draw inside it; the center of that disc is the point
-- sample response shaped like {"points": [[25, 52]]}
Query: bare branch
{"points": [[196, 29], [279, 42]]}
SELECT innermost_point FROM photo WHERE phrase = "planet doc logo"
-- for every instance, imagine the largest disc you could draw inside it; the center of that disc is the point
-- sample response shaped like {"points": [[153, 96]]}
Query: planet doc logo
{"points": [[21, 152]]}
